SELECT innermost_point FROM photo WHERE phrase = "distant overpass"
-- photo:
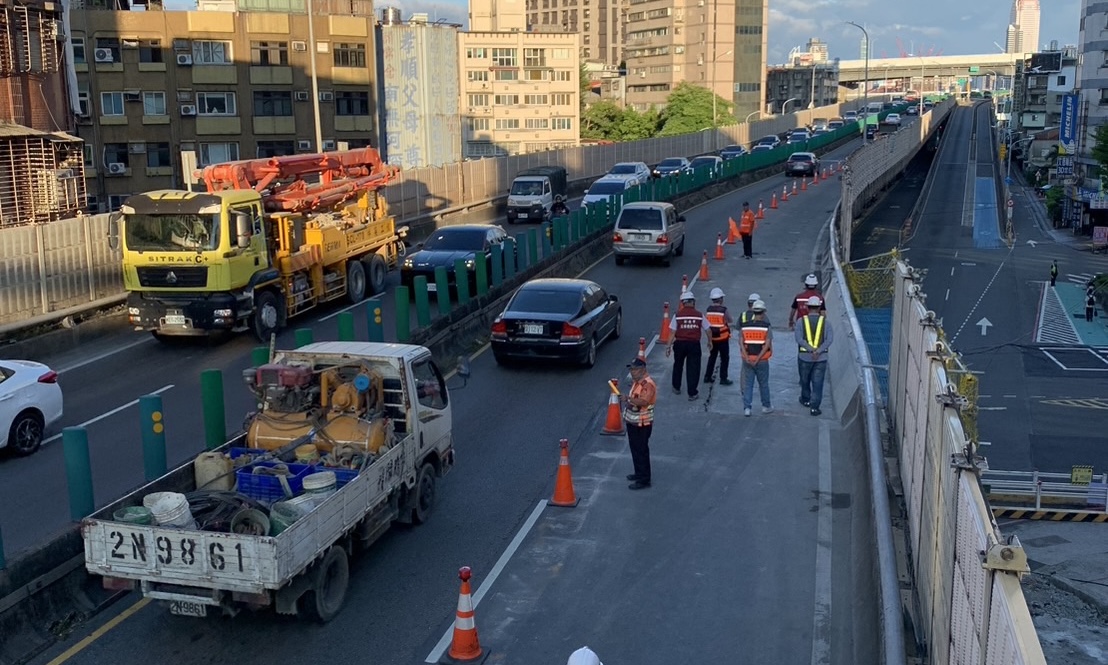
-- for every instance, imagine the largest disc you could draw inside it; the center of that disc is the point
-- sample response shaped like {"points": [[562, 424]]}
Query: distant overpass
{"points": [[943, 66]]}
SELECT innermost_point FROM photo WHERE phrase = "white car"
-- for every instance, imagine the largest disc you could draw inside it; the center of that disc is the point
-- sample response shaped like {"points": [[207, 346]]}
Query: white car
{"points": [[892, 119], [605, 188], [637, 172], [30, 402]]}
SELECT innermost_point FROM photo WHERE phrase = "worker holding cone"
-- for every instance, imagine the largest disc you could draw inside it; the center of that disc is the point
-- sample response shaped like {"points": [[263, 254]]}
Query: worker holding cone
{"points": [[638, 412], [746, 230], [613, 422], [465, 646]]}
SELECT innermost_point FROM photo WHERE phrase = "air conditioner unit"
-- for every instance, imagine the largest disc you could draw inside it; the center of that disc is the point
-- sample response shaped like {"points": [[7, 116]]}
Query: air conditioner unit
{"points": [[484, 86], [303, 145], [188, 109], [328, 145], [181, 45], [136, 148], [184, 59], [642, 74], [300, 46], [130, 43], [132, 95], [103, 55], [184, 95], [117, 168], [302, 96], [326, 96]]}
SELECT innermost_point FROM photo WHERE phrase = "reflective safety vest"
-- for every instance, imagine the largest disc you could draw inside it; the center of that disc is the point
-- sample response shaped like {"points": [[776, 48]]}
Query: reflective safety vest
{"points": [[802, 301], [754, 335], [690, 323], [746, 223], [746, 317], [717, 319], [813, 340], [640, 415]]}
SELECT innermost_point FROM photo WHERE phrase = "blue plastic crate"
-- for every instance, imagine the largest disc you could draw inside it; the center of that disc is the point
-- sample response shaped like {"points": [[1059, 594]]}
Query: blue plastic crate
{"points": [[268, 489]]}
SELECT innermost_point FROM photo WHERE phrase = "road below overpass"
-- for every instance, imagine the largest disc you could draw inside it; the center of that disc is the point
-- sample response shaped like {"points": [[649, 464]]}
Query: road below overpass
{"points": [[747, 529]]}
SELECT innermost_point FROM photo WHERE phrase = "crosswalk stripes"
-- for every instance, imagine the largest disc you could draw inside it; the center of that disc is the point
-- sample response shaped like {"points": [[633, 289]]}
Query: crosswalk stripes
{"points": [[1080, 278], [1055, 326]]}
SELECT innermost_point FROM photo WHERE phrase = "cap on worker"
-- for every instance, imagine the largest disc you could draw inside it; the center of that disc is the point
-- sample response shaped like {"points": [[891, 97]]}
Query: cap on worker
{"points": [[687, 295], [811, 280], [815, 301], [758, 306], [753, 297], [716, 293], [637, 362]]}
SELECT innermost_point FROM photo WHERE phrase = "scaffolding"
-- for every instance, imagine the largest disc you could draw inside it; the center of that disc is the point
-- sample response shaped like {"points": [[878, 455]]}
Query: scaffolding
{"points": [[42, 176]]}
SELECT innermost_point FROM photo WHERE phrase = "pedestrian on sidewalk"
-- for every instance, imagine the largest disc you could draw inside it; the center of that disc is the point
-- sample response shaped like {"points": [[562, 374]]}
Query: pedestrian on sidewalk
{"points": [[799, 307], [721, 322], [687, 327], [749, 313], [813, 336], [757, 349], [1053, 271], [1090, 304], [638, 415], [746, 230]]}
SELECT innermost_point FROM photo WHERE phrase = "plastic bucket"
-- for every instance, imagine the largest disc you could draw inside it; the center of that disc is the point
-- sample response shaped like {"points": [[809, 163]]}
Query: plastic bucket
{"points": [[170, 509], [134, 515], [322, 483], [307, 454], [250, 522], [283, 514]]}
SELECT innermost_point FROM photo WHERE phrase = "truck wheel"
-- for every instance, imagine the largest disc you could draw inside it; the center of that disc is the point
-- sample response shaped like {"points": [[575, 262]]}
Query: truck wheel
{"points": [[330, 580], [267, 315], [377, 274], [355, 282], [425, 494]]}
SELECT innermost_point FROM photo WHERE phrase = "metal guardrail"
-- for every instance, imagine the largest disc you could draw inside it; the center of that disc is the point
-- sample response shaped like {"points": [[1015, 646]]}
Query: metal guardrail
{"points": [[1039, 488]]}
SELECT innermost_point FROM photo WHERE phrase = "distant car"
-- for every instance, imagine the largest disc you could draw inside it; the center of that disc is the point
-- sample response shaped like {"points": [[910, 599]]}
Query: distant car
{"points": [[30, 403], [671, 166], [912, 110], [872, 131], [850, 116], [468, 242], [798, 137], [893, 119], [928, 105], [648, 229], [762, 147], [707, 161], [733, 151], [605, 188], [772, 140], [564, 319], [802, 163], [637, 172], [835, 123]]}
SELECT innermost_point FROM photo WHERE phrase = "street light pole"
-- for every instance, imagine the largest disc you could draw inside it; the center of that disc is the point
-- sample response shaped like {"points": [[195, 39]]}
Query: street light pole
{"points": [[315, 78], [865, 98], [786, 104], [747, 120], [714, 95]]}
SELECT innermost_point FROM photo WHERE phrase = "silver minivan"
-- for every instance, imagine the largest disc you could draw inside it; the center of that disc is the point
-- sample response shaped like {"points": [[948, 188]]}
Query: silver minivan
{"points": [[650, 229]]}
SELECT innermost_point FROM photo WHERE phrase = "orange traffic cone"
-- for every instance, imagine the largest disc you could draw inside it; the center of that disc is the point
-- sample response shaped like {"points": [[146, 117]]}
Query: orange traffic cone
{"points": [[773, 202], [684, 283], [794, 188], [613, 422], [719, 247], [823, 176], [784, 193], [761, 211], [815, 178], [704, 267], [465, 645], [803, 184], [732, 231], [663, 334], [642, 348], [563, 484]]}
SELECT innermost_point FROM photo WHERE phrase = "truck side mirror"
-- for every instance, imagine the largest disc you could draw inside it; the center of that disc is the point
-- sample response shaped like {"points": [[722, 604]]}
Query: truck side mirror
{"points": [[244, 230], [113, 230]]}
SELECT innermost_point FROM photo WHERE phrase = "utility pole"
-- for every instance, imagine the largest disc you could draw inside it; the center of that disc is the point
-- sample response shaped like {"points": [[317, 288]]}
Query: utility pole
{"points": [[865, 98], [315, 78]]}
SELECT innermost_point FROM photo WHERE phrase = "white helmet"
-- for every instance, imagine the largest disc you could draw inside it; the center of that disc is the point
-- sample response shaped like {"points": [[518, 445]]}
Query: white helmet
{"points": [[584, 656], [758, 306], [687, 295], [716, 294], [753, 297], [811, 281]]}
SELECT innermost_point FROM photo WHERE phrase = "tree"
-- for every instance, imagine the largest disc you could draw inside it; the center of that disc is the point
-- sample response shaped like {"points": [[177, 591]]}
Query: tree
{"points": [[1100, 152], [601, 121], [689, 109], [634, 126]]}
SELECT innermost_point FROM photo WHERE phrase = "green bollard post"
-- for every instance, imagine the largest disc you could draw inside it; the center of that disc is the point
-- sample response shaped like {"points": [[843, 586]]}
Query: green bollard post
{"points": [[78, 472], [442, 289], [546, 240], [461, 281], [532, 247], [259, 356], [555, 234], [564, 237], [497, 262], [510, 245], [403, 314], [481, 274], [522, 241], [571, 230], [153, 435], [212, 403], [376, 323], [422, 301], [346, 326], [303, 337]]}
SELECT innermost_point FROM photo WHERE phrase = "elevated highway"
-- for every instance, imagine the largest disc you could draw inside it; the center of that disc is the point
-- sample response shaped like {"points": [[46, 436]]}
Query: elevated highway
{"points": [[928, 66]]}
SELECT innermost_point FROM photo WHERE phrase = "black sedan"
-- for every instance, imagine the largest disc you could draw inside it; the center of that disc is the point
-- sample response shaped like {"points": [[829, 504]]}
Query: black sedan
{"points": [[562, 319], [445, 246]]}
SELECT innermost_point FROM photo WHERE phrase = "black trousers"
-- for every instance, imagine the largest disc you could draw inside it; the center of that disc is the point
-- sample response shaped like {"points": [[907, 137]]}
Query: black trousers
{"points": [[686, 356], [1053, 278], [722, 350], [748, 241], [1088, 313], [638, 438]]}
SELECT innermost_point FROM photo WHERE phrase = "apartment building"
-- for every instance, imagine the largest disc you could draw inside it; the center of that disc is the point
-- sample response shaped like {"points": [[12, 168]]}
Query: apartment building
{"points": [[718, 45], [802, 86], [1047, 78], [519, 90], [217, 82], [598, 22]]}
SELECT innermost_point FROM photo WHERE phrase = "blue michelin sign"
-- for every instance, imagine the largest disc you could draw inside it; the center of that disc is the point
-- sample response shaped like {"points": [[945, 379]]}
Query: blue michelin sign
{"points": [[1067, 133]]}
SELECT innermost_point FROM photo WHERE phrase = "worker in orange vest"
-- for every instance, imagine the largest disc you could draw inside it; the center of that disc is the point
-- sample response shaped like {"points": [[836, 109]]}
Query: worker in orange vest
{"points": [[720, 321], [687, 327], [746, 230], [756, 347], [800, 302]]}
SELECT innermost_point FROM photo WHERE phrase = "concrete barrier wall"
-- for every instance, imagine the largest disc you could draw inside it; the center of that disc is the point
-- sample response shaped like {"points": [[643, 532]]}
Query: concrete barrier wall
{"points": [[964, 612]]}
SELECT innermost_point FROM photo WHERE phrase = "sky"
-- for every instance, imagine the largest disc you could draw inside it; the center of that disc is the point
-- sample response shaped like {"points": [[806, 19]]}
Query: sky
{"points": [[954, 27]]}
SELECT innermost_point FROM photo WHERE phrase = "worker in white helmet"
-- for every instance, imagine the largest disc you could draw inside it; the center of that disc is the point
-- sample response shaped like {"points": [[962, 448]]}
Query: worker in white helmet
{"points": [[584, 656], [800, 302], [749, 313], [687, 327], [721, 322]]}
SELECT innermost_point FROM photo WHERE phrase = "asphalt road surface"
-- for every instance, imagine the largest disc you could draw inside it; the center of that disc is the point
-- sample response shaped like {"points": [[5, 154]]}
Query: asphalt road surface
{"points": [[507, 422]]}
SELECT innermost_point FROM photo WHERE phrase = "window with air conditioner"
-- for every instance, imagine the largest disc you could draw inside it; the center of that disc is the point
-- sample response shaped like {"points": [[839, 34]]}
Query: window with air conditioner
{"points": [[303, 145], [106, 50], [111, 103], [158, 155], [153, 103], [302, 96], [299, 47], [351, 103], [116, 153], [272, 103], [326, 96], [208, 52], [188, 109], [269, 54], [217, 153], [216, 103], [184, 59]]}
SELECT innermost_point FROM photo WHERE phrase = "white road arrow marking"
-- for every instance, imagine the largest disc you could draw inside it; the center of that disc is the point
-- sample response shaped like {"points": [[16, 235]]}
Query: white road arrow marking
{"points": [[984, 323], [1032, 243]]}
